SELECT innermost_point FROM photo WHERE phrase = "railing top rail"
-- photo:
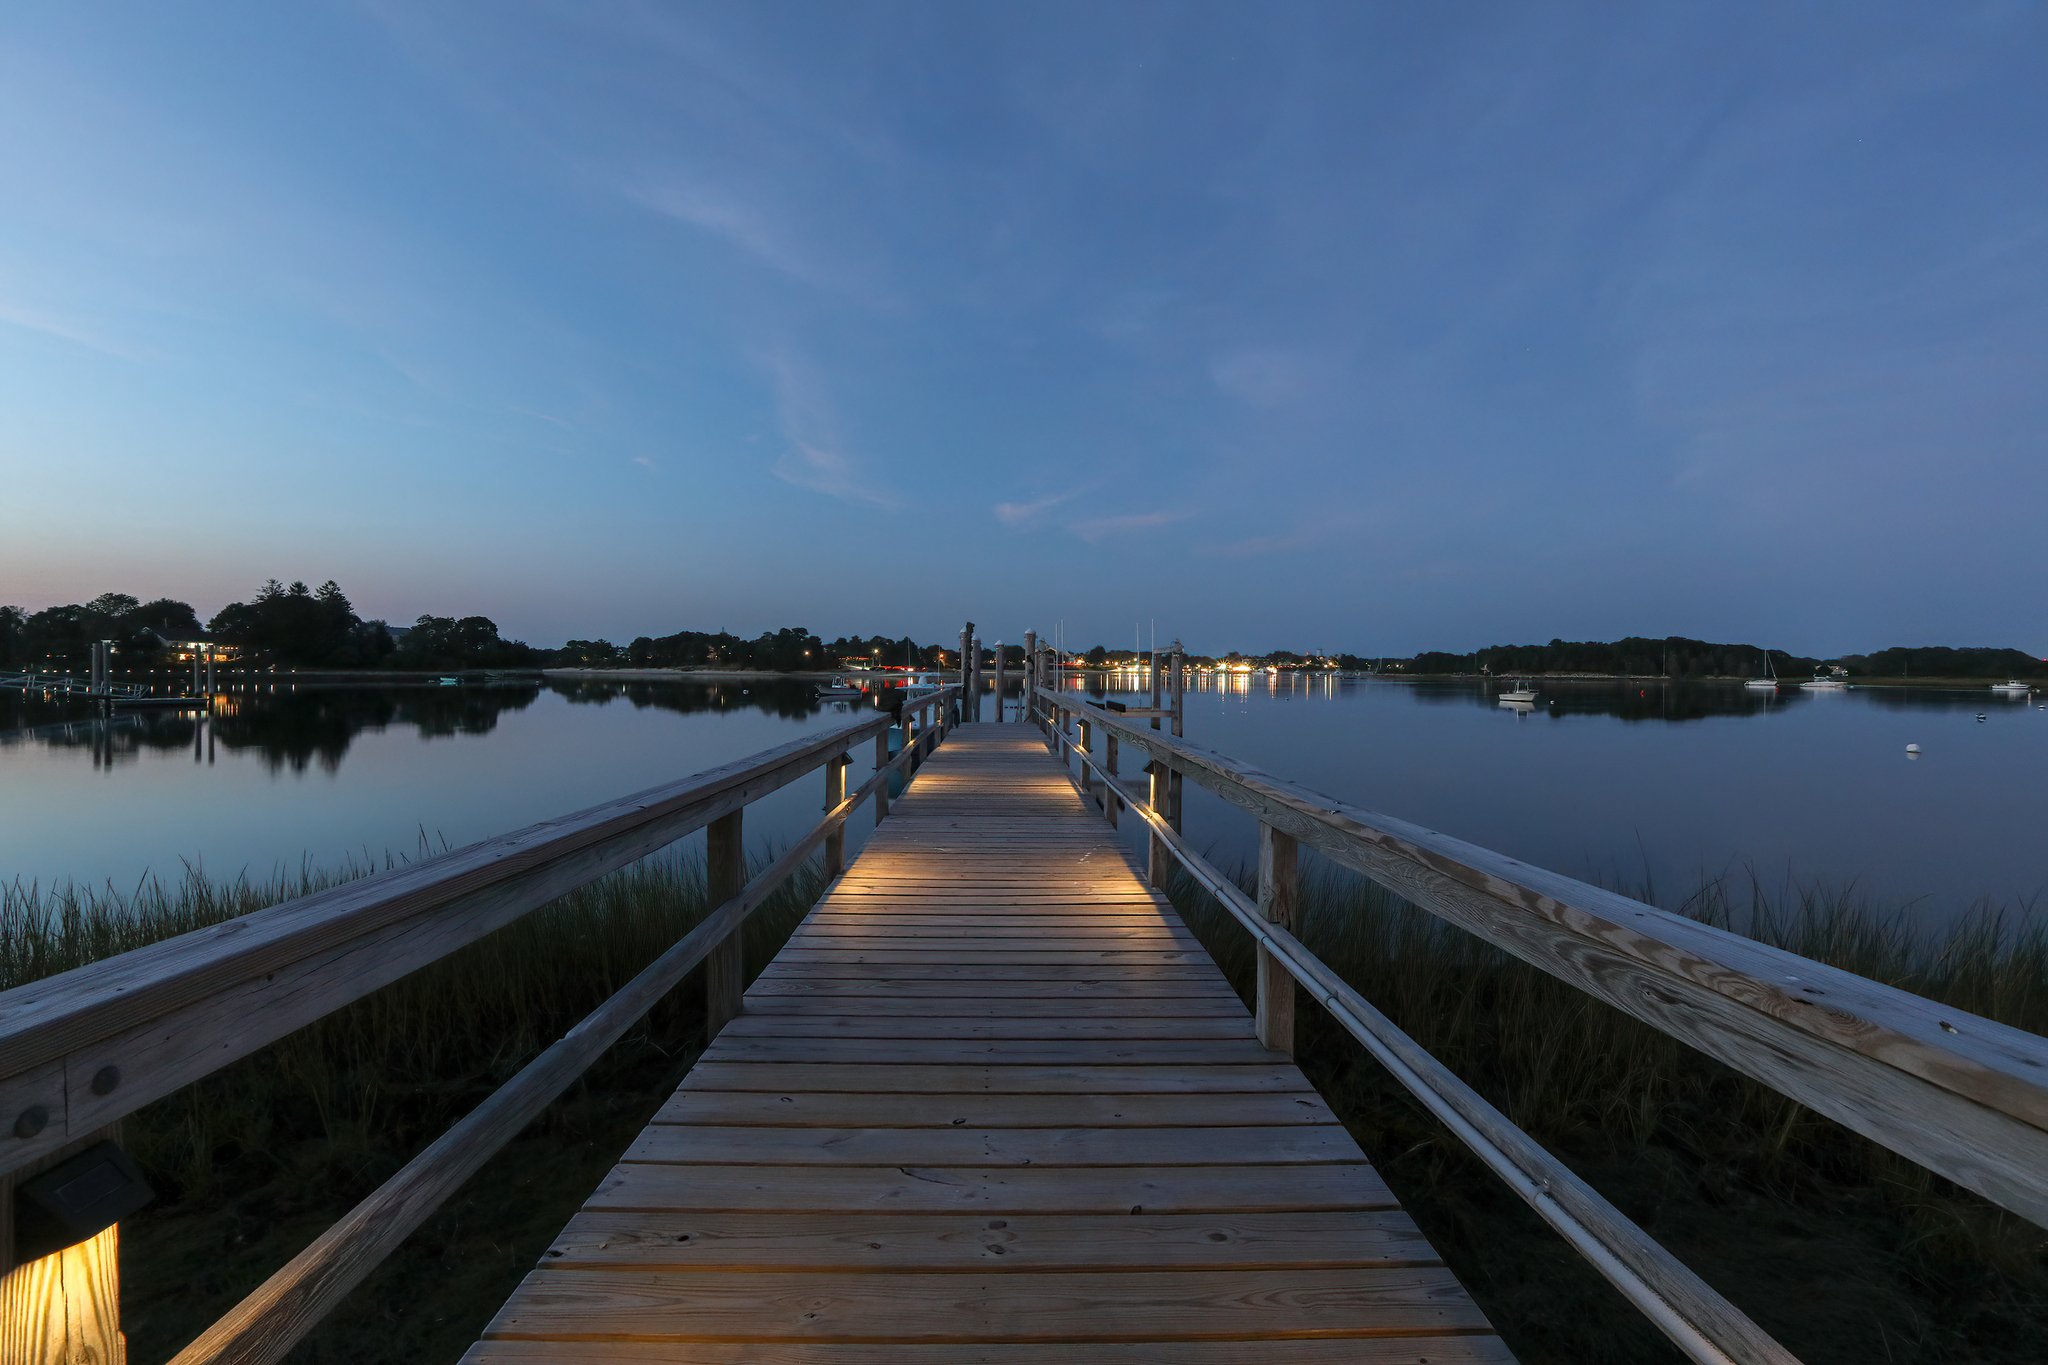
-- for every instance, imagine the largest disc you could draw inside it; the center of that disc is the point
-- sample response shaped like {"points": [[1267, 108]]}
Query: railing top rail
{"points": [[1809, 1030], [47, 1027]]}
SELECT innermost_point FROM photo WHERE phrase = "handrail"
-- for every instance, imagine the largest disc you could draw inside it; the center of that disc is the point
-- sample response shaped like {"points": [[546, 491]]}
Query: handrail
{"points": [[1703, 1324], [83, 1048], [1959, 1094], [278, 1313]]}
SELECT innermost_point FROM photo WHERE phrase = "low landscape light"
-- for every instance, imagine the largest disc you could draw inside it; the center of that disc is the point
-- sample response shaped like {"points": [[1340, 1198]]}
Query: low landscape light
{"points": [[76, 1200]]}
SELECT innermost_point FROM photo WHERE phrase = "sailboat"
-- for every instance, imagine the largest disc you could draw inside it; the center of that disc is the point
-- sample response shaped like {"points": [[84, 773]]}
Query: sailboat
{"points": [[1765, 684]]}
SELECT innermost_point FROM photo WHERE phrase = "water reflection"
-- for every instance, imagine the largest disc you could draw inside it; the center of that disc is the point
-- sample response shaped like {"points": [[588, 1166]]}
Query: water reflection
{"points": [[294, 727], [1560, 698]]}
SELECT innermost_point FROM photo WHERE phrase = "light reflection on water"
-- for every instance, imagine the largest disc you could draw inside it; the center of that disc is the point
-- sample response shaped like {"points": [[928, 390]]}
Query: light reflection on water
{"points": [[1642, 784], [1617, 783]]}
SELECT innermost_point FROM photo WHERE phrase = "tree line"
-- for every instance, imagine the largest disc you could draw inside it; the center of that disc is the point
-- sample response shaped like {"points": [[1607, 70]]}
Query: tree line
{"points": [[1679, 657], [291, 625], [282, 625]]}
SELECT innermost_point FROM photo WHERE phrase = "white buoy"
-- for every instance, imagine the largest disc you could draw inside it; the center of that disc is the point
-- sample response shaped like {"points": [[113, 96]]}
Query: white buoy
{"points": [[1912, 748]]}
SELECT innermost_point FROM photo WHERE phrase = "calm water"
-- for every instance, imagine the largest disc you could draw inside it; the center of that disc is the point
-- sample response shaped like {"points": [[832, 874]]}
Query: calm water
{"points": [[1598, 780]]}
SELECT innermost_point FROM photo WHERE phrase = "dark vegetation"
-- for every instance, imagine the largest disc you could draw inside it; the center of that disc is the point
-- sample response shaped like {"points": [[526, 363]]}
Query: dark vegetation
{"points": [[1846, 1253], [280, 626], [1678, 657], [252, 1163], [791, 649], [292, 626], [297, 627]]}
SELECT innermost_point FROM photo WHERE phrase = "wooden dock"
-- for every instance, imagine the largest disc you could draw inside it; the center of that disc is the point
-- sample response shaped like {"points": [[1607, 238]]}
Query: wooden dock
{"points": [[993, 1102]]}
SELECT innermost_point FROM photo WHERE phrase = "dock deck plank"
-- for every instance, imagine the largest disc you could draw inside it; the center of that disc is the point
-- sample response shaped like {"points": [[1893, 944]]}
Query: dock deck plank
{"points": [[992, 1102]]}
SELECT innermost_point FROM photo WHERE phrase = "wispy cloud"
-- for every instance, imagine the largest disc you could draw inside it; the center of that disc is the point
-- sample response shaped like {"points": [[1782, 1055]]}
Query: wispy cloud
{"points": [[815, 459], [1102, 528], [828, 472], [548, 417], [1253, 546], [740, 223], [645, 462], [1271, 378], [63, 328], [1033, 512], [1304, 535]]}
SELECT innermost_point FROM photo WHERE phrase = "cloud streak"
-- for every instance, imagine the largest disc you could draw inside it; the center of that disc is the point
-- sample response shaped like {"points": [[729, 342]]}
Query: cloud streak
{"points": [[739, 223], [1033, 512], [815, 459], [64, 329], [1097, 529]]}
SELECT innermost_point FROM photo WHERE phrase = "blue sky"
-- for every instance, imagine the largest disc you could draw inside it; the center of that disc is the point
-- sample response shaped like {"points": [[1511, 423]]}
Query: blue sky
{"points": [[1348, 326]]}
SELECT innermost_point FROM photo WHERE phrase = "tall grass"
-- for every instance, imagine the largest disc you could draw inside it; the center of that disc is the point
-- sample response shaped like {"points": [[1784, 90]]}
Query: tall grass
{"points": [[252, 1162], [1848, 1252]]}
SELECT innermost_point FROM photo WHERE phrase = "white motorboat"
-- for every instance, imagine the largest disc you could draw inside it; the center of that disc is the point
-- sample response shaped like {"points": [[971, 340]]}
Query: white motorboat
{"points": [[2012, 687], [1822, 682], [1521, 693]]}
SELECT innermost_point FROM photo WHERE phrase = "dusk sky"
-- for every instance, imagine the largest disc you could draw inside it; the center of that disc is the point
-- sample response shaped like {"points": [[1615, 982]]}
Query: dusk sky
{"points": [[1353, 326]]}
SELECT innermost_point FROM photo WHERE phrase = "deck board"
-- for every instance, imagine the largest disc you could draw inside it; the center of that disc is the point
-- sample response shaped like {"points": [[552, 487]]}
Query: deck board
{"points": [[992, 1102]]}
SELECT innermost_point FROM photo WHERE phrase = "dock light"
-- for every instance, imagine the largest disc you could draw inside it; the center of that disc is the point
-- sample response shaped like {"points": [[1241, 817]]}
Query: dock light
{"points": [[76, 1200]]}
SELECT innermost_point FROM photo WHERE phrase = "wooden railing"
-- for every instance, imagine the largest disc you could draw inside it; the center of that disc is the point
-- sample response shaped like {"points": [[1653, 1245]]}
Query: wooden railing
{"points": [[80, 1050], [1958, 1094]]}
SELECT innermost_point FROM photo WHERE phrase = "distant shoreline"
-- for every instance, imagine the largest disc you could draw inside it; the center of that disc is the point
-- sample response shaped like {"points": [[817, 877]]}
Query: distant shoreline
{"points": [[695, 674], [1963, 684]]}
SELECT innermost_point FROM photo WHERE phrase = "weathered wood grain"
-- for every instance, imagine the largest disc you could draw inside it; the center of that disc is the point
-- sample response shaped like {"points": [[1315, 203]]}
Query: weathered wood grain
{"points": [[684, 1144], [1279, 903], [996, 1191], [1076, 1307], [1960, 1094], [853, 1109], [1383, 1350], [984, 1112], [1018, 1243]]}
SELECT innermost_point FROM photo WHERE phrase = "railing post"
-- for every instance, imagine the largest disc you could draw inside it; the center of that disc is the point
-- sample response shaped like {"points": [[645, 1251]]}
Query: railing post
{"points": [[725, 874], [1158, 858], [1278, 899], [65, 1306], [882, 787], [999, 681], [835, 792], [1031, 676], [1176, 666], [966, 668], [1109, 788], [1087, 773]]}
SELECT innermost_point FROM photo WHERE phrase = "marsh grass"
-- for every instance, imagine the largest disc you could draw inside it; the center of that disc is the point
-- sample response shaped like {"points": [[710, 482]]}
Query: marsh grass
{"points": [[1846, 1252], [253, 1162]]}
